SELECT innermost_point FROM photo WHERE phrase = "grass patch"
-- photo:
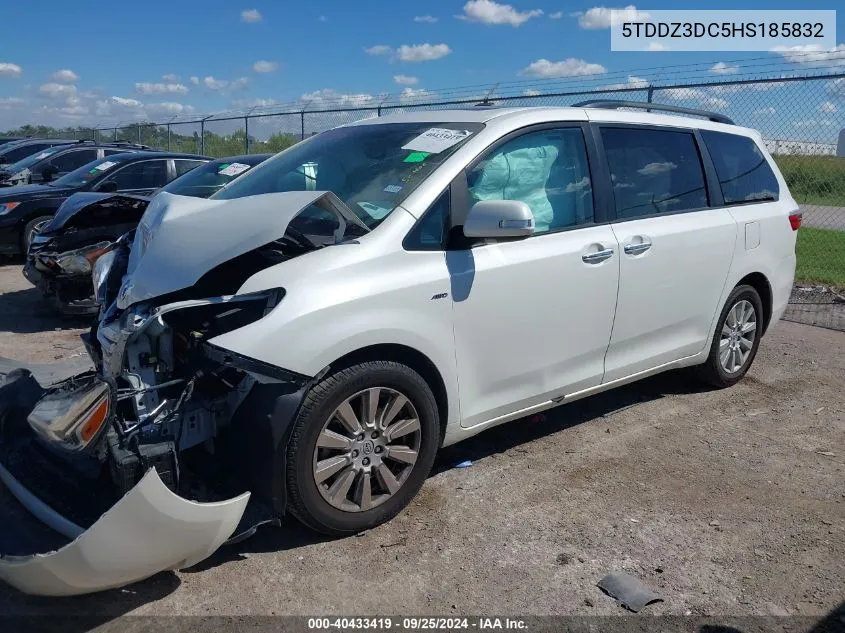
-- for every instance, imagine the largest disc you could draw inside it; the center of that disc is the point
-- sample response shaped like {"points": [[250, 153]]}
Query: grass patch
{"points": [[814, 179], [821, 256]]}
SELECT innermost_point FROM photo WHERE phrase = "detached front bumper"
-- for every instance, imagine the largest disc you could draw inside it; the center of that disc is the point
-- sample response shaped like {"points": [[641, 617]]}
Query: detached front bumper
{"points": [[150, 529]]}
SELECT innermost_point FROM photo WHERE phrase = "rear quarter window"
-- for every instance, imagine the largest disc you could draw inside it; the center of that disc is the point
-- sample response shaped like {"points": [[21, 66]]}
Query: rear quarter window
{"points": [[743, 171]]}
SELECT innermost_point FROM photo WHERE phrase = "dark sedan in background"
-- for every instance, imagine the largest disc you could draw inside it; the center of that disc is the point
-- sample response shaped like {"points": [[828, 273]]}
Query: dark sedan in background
{"points": [[62, 254], [54, 162], [15, 150], [24, 209]]}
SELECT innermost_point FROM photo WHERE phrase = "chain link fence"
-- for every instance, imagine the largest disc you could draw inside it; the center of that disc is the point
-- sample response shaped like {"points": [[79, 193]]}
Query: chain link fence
{"points": [[801, 118]]}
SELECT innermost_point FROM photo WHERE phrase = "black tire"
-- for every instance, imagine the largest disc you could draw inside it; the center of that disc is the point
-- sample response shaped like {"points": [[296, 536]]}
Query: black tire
{"points": [[711, 371], [305, 500], [29, 231]]}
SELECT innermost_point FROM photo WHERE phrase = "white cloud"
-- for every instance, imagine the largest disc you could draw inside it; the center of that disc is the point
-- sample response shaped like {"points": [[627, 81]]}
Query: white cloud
{"points": [[701, 97], [378, 49], [633, 82], [430, 19], [11, 102], [253, 103], [323, 18], [146, 88], [224, 85], [170, 78], [410, 95], [263, 66], [489, 12], [405, 80], [571, 67], [195, 80], [557, 15], [721, 68], [126, 103], [422, 52], [530, 92], [652, 169], [64, 76], [836, 87], [828, 107], [54, 90], [251, 16], [765, 111], [602, 18], [169, 108], [812, 54], [656, 47], [10, 70], [329, 97]]}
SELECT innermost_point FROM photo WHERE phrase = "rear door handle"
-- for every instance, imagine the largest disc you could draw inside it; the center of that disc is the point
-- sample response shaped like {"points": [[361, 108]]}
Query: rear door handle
{"points": [[597, 257], [636, 249]]}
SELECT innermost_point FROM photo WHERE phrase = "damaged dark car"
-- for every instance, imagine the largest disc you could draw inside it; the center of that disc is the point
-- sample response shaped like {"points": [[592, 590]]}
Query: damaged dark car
{"points": [[61, 255]]}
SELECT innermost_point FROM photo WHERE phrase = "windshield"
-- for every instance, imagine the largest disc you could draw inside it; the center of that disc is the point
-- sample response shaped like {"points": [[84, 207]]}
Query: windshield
{"points": [[372, 168], [87, 173], [29, 161], [207, 179]]}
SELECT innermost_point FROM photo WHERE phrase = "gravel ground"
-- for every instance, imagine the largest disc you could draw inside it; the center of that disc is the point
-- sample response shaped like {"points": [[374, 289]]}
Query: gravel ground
{"points": [[725, 502]]}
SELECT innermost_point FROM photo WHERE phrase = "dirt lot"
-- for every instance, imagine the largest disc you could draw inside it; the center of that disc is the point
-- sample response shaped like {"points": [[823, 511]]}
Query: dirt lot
{"points": [[725, 502]]}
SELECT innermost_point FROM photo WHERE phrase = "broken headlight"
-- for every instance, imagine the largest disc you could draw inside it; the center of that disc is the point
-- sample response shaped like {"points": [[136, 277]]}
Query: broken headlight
{"points": [[102, 267], [80, 261]]}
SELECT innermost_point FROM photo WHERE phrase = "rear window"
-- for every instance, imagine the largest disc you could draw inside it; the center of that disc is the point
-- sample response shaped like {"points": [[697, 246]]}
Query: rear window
{"points": [[654, 171], [743, 172]]}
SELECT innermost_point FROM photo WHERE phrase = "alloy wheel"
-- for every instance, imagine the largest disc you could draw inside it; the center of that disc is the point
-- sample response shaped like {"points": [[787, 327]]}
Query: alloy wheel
{"points": [[737, 338], [367, 449]]}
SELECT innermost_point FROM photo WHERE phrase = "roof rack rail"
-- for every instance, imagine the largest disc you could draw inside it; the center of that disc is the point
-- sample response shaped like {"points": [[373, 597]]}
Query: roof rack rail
{"points": [[639, 105]]}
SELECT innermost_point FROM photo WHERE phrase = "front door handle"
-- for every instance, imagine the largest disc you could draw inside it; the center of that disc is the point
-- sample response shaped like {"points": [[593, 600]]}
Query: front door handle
{"points": [[597, 257], [636, 249]]}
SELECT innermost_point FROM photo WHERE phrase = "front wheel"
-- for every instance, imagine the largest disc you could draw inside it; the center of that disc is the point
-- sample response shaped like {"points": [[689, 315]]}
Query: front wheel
{"points": [[736, 339], [361, 447], [31, 230]]}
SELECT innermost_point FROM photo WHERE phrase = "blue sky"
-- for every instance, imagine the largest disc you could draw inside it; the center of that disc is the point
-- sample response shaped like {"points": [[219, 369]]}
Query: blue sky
{"points": [[121, 61]]}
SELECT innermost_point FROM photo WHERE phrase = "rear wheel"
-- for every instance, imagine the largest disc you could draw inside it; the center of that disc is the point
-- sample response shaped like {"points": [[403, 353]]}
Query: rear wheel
{"points": [[736, 339], [361, 448], [31, 229]]}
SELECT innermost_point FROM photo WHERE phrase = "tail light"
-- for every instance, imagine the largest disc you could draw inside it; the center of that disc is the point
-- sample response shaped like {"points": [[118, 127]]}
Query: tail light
{"points": [[795, 220]]}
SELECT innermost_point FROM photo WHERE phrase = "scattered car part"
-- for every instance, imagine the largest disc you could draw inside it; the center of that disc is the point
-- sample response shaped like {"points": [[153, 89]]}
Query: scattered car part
{"points": [[628, 591]]}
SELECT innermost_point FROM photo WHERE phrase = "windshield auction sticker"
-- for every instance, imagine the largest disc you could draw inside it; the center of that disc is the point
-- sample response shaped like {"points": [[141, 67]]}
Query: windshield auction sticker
{"points": [[233, 169], [436, 140], [716, 30]]}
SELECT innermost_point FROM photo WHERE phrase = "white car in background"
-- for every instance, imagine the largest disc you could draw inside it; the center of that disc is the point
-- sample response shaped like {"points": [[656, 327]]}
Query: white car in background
{"points": [[316, 331]]}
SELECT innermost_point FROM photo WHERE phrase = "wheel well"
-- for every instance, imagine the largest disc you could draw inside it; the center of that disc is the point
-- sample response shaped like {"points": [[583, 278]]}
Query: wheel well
{"points": [[759, 282], [414, 359]]}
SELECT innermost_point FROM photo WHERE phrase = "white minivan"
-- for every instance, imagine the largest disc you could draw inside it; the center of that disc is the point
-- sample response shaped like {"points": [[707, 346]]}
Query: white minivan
{"points": [[312, 334]]}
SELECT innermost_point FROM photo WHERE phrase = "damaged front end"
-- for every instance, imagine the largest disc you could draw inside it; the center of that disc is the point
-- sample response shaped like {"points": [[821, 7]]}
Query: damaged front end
{"points": [[62, 254], [173, 445]]}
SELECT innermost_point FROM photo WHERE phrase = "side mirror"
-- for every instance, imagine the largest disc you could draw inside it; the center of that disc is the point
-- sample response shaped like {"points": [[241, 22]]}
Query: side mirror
{"points": [[48, 173], [499, 218], [109, 186]]}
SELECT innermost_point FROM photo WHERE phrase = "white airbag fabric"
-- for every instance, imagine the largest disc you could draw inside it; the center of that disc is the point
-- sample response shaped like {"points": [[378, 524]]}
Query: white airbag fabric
{"points": [[149, 530]]}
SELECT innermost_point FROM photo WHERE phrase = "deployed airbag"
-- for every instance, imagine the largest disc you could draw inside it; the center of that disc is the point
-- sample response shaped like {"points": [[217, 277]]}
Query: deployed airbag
{"points": [[150, 530]]}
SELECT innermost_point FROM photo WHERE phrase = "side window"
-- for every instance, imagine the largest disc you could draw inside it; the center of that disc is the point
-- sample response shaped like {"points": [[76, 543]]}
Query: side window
{"points": [[184, 166], [743, 172], [110, 152], [147, 174], [72, 160], [16, 154], [653, 171], [548, 170], [429, 233]]}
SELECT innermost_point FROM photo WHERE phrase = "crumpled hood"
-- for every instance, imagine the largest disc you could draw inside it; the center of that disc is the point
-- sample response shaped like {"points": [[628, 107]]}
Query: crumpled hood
{"points": [[180, 238], [79, 201]]}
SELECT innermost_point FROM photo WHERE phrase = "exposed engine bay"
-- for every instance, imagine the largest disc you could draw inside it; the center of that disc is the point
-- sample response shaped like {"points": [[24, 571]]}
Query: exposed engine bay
{"points": [[167, 419]]}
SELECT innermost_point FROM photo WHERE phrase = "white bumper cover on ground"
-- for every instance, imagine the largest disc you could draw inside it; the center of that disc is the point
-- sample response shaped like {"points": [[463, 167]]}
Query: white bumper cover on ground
{"points": [[149, 530]]}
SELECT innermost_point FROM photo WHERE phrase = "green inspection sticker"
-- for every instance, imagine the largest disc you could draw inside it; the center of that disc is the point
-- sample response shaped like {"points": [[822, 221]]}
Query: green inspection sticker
{"points": [[416, 157]]}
